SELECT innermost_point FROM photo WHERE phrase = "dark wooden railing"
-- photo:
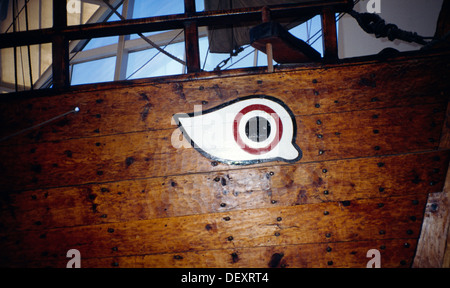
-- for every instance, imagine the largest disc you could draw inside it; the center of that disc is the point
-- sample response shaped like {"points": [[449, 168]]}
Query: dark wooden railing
{"points": [[60, 34]]}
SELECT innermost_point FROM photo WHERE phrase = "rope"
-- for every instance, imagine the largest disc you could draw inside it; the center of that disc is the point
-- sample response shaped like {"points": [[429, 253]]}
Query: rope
{"points": [[75, 110], [373, 24]]}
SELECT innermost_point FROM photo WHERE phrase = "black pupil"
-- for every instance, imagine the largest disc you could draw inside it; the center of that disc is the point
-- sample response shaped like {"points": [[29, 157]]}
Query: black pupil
{"points": [[257, 129]]}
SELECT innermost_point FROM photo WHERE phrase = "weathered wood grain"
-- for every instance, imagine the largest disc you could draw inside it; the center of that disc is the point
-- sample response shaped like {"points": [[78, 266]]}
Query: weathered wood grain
{"points": [[151, 154], [275, 186], [150, 105], [395, 253], [359, 220]]}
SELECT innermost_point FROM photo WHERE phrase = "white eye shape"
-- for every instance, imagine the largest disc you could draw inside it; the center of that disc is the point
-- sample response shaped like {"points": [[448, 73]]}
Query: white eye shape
{"points": [[247, 130]]}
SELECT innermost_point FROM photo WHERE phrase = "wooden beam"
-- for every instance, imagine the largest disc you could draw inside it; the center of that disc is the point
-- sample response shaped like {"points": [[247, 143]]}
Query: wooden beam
{"points": [[329, 34], [60, 46]]}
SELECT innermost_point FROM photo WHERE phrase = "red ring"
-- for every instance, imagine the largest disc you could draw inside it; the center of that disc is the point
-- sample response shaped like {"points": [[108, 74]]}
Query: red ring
{"points": [[238, 139]]}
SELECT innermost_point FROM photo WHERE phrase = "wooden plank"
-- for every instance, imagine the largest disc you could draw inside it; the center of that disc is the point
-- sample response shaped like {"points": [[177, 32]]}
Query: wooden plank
{"points": [[306, 91], [395, 253], [332, 222], [433, 240], [203, 193], [148, 154], [431, 250]]}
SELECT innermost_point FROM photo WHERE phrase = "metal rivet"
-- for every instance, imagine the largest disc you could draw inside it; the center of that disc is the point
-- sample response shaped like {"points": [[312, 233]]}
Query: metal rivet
{"points": [[324, 170], [277, 234], [115, 249], [432, 183], [413, 218], [273, 201], [409, 232], [415, 202], [406, 245], [326, 192], [403, 262], [319, 122], [328, 235], [380, 205], [320, 136], [382, 247], [279, 218], [115, 264], [214, 163], [330, 263], [381, 189], [376, 131], [314, 81], [204, 102], [317, 105], [271, 173], [434, 207], [329, 249], [110, 230], [223, 204], [226, 218], [326, 212], [316, 92], [377, 148], [382, 232], [217, 179], [230, 238], [380, 164], [321, 152]]}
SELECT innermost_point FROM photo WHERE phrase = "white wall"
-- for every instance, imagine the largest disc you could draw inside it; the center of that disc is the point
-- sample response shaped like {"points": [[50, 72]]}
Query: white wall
{"points": [[410, 15]]}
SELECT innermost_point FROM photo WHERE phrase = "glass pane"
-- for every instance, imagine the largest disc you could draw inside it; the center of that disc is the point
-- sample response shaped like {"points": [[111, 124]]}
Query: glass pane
{"points": [[94, 71], [152, 63], [151, 8]]}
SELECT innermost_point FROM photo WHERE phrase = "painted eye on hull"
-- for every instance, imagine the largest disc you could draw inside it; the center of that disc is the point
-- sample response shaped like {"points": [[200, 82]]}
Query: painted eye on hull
{"points": [[244, 131]]}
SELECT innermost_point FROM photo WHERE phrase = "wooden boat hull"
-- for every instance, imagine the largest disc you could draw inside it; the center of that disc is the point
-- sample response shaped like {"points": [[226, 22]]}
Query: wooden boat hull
{"points": [[109, 182]]}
